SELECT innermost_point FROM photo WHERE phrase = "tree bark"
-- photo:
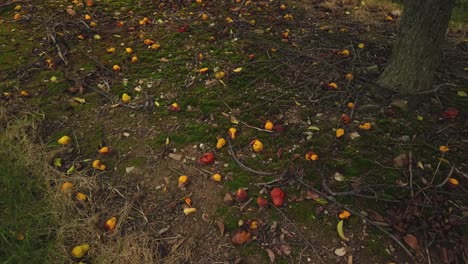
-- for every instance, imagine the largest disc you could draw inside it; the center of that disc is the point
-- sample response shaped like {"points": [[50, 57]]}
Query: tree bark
{"points": [[418, 50]]}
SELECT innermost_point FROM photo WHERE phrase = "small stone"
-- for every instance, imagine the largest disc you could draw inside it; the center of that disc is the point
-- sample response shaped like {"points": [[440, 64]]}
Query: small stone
{"points": [[126, 134], [129, 169]]}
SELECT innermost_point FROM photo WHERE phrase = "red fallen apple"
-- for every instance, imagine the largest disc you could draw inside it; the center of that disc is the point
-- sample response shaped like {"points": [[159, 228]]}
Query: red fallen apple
{"points": [[174, 107], [207, 158], [241, 235], [450, 113], [345, 119], [278, 129], [262, 202], [277, 196], [241, 195], [185, 28]]}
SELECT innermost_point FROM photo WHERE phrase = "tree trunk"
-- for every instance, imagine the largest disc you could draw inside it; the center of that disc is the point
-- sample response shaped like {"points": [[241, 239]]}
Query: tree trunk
{"points": [[417, 52]]}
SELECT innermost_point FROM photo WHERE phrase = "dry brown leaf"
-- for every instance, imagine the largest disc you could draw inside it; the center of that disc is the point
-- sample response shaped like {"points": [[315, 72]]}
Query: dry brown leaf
{"points": [[71, 12], [287, 233], [312, 195], [340, 251], [241, 235], [375, 216], [221, 227], [271, 255], [411, 240], [285, 249], [273, 226]]}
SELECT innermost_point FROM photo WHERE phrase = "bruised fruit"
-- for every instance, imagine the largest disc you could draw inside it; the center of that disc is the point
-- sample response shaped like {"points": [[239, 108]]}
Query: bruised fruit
{"points": [[262, 202], [277, 196], [241, 195], [241, 235], [111, 223], [183, 181], [206, 159]]}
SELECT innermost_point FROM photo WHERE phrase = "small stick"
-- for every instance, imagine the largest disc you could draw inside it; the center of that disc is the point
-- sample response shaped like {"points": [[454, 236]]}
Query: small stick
{"points": [[411, 172], [268, 183], [245, 204], [231, 152], [447, 178], [245, 124]]}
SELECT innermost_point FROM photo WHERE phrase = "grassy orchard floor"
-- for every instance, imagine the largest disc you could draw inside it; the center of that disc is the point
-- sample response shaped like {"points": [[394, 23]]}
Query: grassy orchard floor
{"points": [[282, 83]]}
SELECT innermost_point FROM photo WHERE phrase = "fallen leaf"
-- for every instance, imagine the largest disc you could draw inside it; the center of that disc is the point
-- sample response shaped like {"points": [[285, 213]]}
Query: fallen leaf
{"points": [[221, 227], [273, 226], [338, 177], [285, 249], [321, 201], [79, 100], [234, 120], [411, 240], [354, 135], [462, 94], [420, 165], [163, 230], [375, 216], [271, 255], [312, 195], [237, 70], [71, 12], [340, 251]]}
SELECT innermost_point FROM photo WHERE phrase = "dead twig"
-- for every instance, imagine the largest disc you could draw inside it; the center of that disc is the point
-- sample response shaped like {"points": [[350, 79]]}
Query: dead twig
{"points": [[354, 193], [260, 184], [447, 178], [411, 172], [233, 155], [235, 120], [51, 35], [245, 204]]}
